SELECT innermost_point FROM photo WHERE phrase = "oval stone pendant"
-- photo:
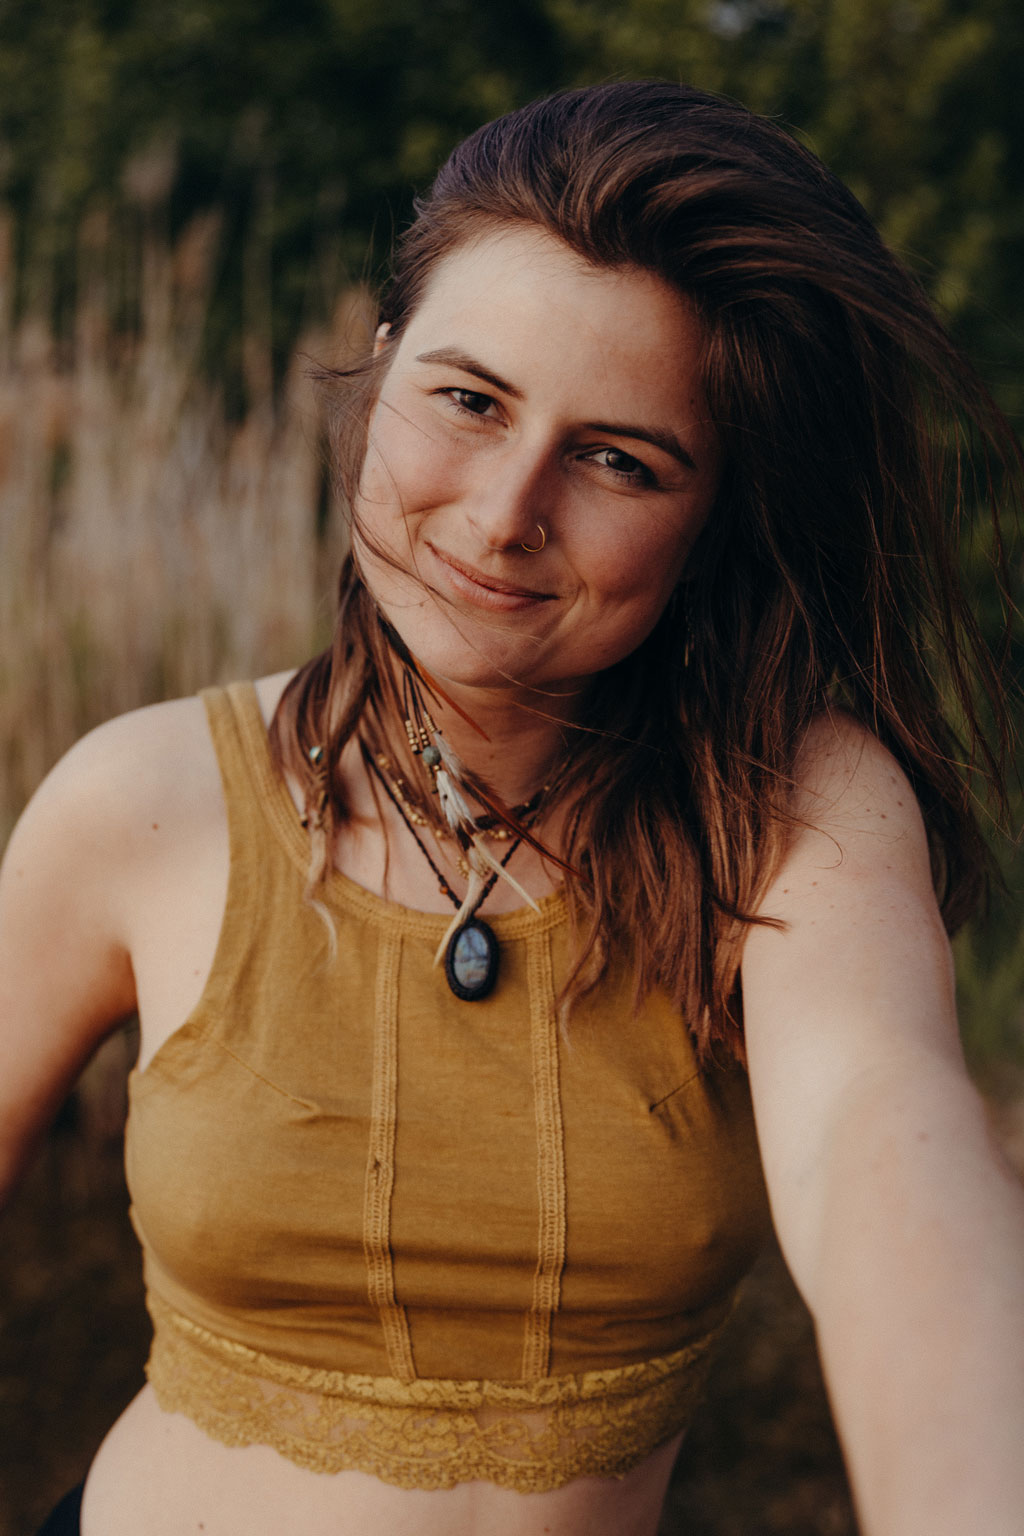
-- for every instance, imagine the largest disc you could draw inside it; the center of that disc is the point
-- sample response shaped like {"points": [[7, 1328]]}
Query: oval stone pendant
{"points": [[471, 961]]}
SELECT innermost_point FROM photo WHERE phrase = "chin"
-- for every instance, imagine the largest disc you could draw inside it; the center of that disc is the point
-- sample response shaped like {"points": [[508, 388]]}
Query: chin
{"points": [[468, 669], [461, 660]]}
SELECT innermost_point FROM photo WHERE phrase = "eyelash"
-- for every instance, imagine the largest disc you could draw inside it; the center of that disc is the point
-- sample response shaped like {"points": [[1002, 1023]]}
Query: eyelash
{"points": [[638, 475], [471, 394]]}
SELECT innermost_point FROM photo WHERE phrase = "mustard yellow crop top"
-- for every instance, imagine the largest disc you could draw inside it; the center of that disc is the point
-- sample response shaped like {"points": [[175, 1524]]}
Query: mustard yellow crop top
{"points": [[431, 1240]]}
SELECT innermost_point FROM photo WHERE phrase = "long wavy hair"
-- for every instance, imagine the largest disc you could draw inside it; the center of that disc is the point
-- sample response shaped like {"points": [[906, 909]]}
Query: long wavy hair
{"points": [[855, 440]]}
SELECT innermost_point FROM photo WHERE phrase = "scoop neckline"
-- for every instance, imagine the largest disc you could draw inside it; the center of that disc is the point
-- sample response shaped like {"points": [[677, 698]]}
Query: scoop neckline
{"points": [[340, 889]]}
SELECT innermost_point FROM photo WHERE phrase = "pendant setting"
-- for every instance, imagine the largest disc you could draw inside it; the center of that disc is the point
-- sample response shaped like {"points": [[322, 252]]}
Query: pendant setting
{"points": [[471, 961]]}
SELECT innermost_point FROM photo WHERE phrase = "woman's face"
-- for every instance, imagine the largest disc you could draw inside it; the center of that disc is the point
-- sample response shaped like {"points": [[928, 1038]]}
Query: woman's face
{"points": [[533, 398]]}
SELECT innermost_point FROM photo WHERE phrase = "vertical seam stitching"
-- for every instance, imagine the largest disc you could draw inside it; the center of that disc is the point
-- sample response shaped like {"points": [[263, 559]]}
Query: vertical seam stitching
{"points": [[551, 1236], [380, 1164]]}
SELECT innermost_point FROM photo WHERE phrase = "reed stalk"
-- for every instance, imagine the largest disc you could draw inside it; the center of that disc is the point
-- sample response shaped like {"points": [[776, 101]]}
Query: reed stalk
{"points": [[151, 543]]}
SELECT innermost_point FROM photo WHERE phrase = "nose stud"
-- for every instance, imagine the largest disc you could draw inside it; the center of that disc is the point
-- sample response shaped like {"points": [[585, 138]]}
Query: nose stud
{"points": [[533, 549]]}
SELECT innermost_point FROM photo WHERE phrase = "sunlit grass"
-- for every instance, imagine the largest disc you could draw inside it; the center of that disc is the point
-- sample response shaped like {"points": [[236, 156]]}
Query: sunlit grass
{"points": [[151, 543]]}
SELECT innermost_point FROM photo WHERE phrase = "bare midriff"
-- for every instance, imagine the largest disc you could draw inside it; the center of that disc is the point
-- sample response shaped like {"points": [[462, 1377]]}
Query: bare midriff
{"points": [[158, 1473]]}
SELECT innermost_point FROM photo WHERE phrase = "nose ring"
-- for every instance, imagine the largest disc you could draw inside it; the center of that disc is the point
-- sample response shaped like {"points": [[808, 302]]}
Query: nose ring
{"points": [[533, 549]]}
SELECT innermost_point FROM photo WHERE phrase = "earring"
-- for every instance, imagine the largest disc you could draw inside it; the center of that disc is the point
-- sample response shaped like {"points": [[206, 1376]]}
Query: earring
{"points": [[533, 549]]}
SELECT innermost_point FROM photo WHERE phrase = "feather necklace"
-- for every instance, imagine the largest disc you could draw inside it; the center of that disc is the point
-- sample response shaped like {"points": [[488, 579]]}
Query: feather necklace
{"points": [[469, 946]]}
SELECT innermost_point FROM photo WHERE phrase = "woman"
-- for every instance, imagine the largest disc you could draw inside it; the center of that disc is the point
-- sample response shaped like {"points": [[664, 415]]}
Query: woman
{"points": [[626, 767]]}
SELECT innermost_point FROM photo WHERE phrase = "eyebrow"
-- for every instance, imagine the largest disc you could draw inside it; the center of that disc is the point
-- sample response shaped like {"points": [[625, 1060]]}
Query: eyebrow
{"points": [[453, 357], [658, 437]]}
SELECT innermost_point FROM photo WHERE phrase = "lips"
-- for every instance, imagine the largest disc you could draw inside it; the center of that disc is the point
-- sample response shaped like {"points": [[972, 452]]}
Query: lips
{"points": [[481, 586]]}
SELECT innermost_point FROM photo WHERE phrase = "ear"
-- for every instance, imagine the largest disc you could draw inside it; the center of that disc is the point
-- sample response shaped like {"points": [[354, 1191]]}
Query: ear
{"points": [[380, 339]]}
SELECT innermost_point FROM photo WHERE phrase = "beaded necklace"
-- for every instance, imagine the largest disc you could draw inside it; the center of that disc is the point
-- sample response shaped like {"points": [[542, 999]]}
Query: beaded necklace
{"points": [[471, 951]]}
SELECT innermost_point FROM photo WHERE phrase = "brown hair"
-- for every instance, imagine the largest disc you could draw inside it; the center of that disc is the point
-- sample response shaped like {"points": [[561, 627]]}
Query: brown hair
{"points": [[851, 432]]}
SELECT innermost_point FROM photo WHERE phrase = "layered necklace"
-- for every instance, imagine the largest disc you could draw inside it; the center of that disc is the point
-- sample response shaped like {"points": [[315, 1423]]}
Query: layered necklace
{"points": [[470, 946]]}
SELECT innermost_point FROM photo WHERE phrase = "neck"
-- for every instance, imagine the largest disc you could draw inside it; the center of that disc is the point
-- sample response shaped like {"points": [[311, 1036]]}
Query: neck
{"points": [[513, 738], [514, 743]]}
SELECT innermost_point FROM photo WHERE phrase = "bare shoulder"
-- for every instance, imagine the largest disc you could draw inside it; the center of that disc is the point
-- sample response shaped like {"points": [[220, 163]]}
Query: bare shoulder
{"points": [[111, 894], [90, 854], [855, 966], [856, 815], [143, 779], [269, 690], [69, 888], [126, 780], [844, 771]]}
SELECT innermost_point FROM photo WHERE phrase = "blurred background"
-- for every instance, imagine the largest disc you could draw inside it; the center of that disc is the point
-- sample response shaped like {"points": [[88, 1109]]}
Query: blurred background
{"points": [[196, 199]]}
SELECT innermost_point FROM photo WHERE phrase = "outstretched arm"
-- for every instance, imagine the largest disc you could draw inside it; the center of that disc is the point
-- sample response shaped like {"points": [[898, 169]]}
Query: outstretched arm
{"points": [[901, 1222]]}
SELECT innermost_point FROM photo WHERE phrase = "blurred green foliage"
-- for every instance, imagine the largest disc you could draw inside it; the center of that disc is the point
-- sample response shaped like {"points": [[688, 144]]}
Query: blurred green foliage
{"points": [[304, 120], [917, 104]]}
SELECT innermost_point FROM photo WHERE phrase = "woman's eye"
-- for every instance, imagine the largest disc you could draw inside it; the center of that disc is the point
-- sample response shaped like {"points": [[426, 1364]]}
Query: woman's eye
{"points": [[470, 400], [624, 466]]}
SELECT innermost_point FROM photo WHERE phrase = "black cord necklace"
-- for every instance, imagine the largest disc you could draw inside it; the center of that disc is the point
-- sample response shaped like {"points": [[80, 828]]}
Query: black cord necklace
{"points": [[472, 957]]}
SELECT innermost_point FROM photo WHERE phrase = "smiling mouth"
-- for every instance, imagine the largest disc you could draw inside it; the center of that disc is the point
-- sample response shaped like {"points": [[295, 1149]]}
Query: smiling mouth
{"points": [[489, 583]]}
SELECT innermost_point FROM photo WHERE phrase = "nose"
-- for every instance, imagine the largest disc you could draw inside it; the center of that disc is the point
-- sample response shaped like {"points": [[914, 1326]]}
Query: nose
{"points": [[513, 492]]}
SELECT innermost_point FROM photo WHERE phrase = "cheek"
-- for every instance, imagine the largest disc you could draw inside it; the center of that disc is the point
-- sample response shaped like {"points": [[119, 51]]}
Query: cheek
{"points": [[408, 468], [382, 482], [629, 582], [384, 514], [380, 526], [639, 566], [624, 607]]}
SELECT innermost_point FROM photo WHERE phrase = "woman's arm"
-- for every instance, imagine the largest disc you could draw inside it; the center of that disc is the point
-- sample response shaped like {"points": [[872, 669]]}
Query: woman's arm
{"points": [[900, 1220], [65, 974], [105, 877]]}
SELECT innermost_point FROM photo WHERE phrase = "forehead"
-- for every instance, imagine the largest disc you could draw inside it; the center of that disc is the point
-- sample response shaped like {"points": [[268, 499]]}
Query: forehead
{"points": [[523, 303]]}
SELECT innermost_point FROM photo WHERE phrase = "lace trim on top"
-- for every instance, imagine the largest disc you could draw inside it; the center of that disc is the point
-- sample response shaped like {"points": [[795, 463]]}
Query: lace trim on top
{"points": [[530, 1436]]}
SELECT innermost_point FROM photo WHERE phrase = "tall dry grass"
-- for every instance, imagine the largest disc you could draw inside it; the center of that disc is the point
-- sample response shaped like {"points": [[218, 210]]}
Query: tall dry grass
{"points": [[149, 544]]}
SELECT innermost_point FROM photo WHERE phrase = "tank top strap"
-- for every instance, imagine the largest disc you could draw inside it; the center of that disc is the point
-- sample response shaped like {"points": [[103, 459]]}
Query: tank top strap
{"points": [[255, 795]]}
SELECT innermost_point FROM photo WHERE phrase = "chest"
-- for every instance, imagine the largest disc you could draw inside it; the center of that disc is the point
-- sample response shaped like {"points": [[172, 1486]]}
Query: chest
{"points": [[329, 1137]]}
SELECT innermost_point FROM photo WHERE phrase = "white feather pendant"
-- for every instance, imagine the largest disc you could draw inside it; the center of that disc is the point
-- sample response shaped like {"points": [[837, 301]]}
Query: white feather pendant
{"points": [[453, 802], [459, 817], [486, 857], [450, 761]]}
